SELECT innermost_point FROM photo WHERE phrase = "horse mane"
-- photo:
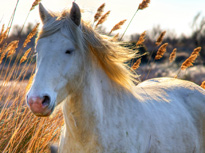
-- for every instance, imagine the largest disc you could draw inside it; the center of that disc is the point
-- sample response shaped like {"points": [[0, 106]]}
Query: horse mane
{"points": [[111, 56]]}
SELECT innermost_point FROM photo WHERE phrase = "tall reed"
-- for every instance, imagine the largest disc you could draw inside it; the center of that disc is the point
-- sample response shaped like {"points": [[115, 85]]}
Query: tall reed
{"points": [[189, 61], [99, 12], [117, 26], [102, 19], [142, 5], [172, 55], [20, 130]]}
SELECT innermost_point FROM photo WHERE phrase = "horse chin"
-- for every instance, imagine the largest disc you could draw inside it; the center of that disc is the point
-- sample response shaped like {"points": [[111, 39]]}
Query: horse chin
{"points": [[47, 112], [43, 115]]}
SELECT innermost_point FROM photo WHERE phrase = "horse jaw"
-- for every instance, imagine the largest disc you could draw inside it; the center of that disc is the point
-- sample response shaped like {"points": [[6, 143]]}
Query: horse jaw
{"points": [[55, 69]]}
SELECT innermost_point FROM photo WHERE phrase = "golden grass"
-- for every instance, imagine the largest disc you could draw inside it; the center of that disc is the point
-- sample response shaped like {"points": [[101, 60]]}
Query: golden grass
{"points": [[141, 39], [35, 3], [143, 4], [117, 26], [20, 130], [102, 19], [196, 51], [11, 48], [31, 35], [3, 54], [161, 51], [99, 12], [172, 55], [160, 38], [136, 65], [4, 34], [24, 57], [189, 61]]}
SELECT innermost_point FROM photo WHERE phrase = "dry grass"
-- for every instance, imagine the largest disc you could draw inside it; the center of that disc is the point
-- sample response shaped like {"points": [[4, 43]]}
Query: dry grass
{"points": [[143, 4], [160, 38], [161, 51], [99, 12], [136, 65], [20, 130], [35, 3], [31, 35], [102, 19], [117, 26], [141, 39], [24, 57], [172, 55], [189, 62]]}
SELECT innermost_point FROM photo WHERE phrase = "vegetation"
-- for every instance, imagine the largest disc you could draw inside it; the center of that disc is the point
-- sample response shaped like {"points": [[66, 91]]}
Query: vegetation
{"points": [[21, 131]]}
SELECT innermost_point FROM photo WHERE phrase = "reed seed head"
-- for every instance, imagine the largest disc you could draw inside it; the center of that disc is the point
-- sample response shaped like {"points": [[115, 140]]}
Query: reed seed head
{"points": [[103, 19], [172, 55], [143, 5], [99, 12], [141, 39], [161, 51], [4, 34], [25, 56], [3, 47], [35, 3], [160, 38], [189, 61], [136, 65], [12, 47], [196, 51], [30, 35], [117, 26], [3, 54]]}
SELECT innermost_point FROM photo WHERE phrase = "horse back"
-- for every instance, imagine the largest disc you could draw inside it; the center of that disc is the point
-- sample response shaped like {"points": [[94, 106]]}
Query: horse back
{"points": [[180, 93]]}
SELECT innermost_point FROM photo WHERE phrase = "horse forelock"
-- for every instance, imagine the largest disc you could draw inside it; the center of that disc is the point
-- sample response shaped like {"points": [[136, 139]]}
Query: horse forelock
{"points": [[111, 56]]}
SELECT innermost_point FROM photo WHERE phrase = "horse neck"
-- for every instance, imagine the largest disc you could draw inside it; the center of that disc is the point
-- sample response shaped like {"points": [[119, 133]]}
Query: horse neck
{"points": [[87, 107]]}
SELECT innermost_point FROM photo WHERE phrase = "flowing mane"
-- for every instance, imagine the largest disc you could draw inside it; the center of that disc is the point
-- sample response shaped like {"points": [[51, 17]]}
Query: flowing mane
{"points": [[110, 55]]}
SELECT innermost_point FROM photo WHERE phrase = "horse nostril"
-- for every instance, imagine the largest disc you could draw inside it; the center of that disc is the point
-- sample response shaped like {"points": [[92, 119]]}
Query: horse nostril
{"points": [[46, 100]]}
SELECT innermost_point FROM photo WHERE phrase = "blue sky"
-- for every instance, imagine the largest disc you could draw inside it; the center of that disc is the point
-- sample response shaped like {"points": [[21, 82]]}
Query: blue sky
{"points": [[175, 15]]}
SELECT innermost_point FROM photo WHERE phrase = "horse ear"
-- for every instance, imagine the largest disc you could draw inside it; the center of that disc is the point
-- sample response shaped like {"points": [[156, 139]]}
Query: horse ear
{"points": [[75, 14], [44, 14]]}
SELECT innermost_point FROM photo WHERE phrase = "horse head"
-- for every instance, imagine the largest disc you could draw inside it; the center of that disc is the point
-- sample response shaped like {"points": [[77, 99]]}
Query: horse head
{"points": [[57, 60]]}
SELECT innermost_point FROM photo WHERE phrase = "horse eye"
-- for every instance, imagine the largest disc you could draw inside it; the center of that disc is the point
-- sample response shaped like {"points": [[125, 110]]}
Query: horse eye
{"points": [[68, 52]]}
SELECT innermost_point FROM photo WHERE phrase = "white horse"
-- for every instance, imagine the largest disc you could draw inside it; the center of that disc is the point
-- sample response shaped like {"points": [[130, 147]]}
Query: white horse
{"points": [[103, 111]]}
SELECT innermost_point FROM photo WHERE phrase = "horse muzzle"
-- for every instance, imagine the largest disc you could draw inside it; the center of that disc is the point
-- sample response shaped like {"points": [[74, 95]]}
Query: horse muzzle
{"points": [[40, 105]]}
